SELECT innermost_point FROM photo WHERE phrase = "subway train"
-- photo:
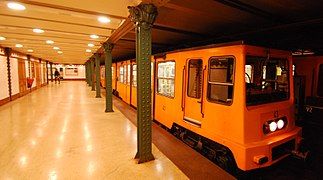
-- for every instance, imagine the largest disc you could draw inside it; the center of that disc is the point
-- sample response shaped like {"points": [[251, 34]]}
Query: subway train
{"points": [[234, 103]]}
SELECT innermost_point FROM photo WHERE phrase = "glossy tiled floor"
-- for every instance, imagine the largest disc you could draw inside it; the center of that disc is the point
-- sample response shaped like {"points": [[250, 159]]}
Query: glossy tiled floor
{"points": [[62, 132]]}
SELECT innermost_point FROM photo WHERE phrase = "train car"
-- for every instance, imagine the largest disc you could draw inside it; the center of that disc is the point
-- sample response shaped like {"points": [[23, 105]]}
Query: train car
{"points": [[123, 80], [311, 69], [113, 71], [232, 102]]}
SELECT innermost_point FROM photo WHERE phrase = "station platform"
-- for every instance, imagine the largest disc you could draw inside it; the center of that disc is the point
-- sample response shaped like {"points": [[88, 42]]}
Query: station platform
{"points": [[61, 131]]}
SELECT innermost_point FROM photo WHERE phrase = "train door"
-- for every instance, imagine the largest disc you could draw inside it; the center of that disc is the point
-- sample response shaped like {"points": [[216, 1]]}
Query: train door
{"points": [[193, 92]]}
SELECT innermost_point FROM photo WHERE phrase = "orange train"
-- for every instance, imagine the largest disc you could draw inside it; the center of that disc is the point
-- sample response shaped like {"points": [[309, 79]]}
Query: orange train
{"points": [[311, 68], [232, 102]]}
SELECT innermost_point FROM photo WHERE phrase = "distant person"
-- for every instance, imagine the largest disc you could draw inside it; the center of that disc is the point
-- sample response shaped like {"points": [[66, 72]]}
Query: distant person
{"points": [[57, 77]]}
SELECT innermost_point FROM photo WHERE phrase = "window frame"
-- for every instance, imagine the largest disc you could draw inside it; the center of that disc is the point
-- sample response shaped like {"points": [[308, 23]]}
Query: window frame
{"points": [[157, 78], [223, 84], [188, 78]]}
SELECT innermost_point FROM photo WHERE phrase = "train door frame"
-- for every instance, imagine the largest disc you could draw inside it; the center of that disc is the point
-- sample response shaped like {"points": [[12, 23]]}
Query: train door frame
{"points": [[193, 106]]}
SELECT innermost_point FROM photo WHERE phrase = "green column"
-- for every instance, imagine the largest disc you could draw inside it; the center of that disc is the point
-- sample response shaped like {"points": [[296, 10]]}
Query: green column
{"points": [[87, 66], [108, 76], [97, 75], [51, 72], [143, 16], [92, 74]]}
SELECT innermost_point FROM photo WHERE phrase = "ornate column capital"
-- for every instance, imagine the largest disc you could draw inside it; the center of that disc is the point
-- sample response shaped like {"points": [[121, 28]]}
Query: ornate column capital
{"points": [[108, 46], [8, 51], [143, 15]]}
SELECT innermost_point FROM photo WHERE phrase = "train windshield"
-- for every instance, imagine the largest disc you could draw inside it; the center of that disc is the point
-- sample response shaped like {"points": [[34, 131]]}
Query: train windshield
{"points": [[267, 80]]}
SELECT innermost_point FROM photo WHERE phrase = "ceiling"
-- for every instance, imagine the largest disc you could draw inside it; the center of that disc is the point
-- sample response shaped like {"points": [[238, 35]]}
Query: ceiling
{"points": [[291, 24], [68, 23]]}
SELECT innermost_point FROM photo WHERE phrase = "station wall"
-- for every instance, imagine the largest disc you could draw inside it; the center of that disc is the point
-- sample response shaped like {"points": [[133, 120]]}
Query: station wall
{"points": [[70, 72], [20, 70]]}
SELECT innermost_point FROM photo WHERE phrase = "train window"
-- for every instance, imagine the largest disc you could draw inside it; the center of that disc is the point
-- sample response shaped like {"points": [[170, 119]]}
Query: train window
{"points": [[124, 74], [128, 77], [112, 71], [320, 81], [220, 82], [248, 73], [166, 78], [194, 78], [102, 72], [134, 75], [121, 74], [267, 81]]}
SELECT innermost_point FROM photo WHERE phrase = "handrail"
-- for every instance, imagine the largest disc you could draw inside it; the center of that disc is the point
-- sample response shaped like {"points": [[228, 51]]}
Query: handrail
{"points": [[183, 84], [219, 83], [202, 94]]}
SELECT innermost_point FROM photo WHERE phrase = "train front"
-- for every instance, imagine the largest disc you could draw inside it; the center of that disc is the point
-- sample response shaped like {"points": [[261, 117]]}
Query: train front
{"points": [[270, 133]]}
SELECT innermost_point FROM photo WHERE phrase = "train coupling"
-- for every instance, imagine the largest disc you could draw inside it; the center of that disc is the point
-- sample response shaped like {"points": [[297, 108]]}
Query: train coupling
{"points": [[300, 155]]}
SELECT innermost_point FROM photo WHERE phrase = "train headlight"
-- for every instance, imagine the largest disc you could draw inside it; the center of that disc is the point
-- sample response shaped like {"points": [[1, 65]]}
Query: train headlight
{"points": [[280, 124], [272, 126]]}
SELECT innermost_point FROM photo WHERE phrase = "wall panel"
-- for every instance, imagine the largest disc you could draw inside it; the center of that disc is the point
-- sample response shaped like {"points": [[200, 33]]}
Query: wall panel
{"points": [[14, 76], [4, 89]]}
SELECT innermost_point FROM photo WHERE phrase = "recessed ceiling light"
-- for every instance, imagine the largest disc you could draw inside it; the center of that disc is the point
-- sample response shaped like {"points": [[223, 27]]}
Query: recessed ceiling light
{"points": [[30, 50], [56, 48], [2, 38], [103, 19], [88, 50], [19, 46], [36, 30], [60, 52], [93, 36], [90, 45], [16, 6], [50, 42]]}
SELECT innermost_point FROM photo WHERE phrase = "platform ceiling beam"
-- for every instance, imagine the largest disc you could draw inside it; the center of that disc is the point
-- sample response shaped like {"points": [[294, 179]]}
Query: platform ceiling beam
{"points": [[143, 16], [108, 76]]}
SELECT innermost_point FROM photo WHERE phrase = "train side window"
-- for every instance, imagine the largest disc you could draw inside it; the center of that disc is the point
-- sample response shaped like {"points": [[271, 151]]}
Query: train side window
{"points": [[134, 75], [112, 71], [121, 74], [220, 80], [320, 82], [128, 77], [194, 78], [124, 74], [166, 78], [102, 73]]}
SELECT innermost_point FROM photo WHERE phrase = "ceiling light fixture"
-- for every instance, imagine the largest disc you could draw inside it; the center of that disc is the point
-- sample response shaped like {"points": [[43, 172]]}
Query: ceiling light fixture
{"points": [[93, 36], [103, 19], [30, 50], [60, 52], [37, 30], [2, 38], [49, 42], [56, 48], [16, 6], [19, 46], [88, 50], [90, 45]]}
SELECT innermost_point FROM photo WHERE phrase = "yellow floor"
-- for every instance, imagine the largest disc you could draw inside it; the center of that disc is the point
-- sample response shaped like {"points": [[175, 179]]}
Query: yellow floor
{"points": [[62, 132]]}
